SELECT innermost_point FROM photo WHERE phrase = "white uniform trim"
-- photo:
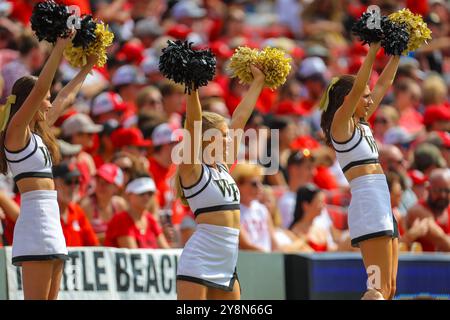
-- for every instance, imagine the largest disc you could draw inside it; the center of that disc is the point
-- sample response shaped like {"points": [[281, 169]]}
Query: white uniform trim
{"points": [[34, 160]]}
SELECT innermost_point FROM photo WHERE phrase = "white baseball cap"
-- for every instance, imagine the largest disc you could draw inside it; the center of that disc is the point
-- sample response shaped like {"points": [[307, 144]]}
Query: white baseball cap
{"points": [[141, 185], [106, 102], [312, 66], [187, 9], [162, 134], [127, 74], [80, 122], [397, 135]]}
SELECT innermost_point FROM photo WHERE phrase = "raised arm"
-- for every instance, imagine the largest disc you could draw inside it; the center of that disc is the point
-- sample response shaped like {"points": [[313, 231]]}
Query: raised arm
{"points": [[190, 172], [246, 106], [346, 111], [68, 94], [383, 83], [17, 128]]}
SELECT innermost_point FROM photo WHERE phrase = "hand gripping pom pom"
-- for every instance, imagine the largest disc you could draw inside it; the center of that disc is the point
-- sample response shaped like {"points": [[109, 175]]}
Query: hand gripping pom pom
{"points": [[180, 63], [86, 34], [365, 31], [49, 21], [418, 31], [272, 62], [240, 64], [77, 56]]}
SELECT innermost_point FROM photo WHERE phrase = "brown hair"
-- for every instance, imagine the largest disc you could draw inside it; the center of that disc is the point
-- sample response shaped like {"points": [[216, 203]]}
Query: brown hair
{"points": [[22, 89], [336, 97]]}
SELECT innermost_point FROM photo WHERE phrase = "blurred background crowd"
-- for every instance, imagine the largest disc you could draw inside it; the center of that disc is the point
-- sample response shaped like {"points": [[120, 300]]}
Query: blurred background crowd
{"points": [[118, 133]]}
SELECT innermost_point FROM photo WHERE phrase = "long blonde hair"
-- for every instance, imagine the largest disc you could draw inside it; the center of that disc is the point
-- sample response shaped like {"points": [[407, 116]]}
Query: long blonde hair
{"points": [[22, 89], [210, 120]]}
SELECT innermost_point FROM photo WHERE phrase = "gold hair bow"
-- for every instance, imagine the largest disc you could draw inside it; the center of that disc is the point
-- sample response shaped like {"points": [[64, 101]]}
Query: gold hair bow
{"points": [[5, 111], [323, 105]]}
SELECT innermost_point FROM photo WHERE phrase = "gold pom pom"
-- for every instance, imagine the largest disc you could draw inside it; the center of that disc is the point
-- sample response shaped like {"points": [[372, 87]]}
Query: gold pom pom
{"points": [[104, 39], [275, 65], [77, 57], [240, 64], [272, 62], [419, 33]]}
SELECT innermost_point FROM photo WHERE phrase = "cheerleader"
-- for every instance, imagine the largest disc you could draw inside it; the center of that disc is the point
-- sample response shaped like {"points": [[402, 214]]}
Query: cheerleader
{"points": [[207, 266], [347, 104], [29, 149]]}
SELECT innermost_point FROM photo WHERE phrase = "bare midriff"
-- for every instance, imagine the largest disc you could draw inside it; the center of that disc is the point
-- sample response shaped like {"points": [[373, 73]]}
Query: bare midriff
{"points": [[363, 170], [33, 184], [228, 218]]}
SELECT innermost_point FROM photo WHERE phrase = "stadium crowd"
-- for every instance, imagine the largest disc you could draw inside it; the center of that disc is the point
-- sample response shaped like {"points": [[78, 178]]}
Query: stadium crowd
{"points": [[119, 132]]}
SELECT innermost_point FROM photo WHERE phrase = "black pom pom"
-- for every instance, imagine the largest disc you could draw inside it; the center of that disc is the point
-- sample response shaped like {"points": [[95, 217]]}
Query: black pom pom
{"points": [[174, 60], [49, 21], [203, 66], [180, 63], [366, 32], [86, 34], [396, 37]]}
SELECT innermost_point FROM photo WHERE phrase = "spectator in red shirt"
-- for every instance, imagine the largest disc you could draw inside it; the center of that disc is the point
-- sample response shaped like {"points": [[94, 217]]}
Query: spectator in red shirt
{"points": [[77, 230], [131, 141], [436, 211], [312, 73], [105, 202], [136, 228]]}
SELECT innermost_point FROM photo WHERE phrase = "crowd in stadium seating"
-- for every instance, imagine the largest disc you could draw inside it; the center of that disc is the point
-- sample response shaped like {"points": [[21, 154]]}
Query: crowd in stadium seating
{"points": [[114, 183]]}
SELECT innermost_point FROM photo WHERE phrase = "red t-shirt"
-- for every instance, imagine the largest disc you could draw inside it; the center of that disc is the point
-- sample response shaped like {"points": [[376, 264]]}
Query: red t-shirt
{"points": [[426, 245], [123, 225], [78, 230], [411, 120]]}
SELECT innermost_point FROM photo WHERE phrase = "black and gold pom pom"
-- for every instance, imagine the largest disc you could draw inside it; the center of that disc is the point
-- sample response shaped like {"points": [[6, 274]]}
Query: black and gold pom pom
{"points": [[86, 34], [396, 37], [49, 21], [366, 32], [180, 63], [77, 56], [418, 31]]}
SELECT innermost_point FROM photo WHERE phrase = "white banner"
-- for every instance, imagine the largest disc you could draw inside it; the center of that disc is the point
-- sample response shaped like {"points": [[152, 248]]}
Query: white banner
{"points": [[101, 273]]}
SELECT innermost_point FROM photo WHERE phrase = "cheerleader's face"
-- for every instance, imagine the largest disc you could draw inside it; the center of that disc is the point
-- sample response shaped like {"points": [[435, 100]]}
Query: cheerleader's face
{"points": [[46, 105], [364, 104], [217, 149]]}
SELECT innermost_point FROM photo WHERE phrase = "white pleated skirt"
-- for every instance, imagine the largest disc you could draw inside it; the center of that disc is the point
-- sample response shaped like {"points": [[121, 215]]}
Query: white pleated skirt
{"points": [[370, 214], [38, 233], [210, 257]]}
